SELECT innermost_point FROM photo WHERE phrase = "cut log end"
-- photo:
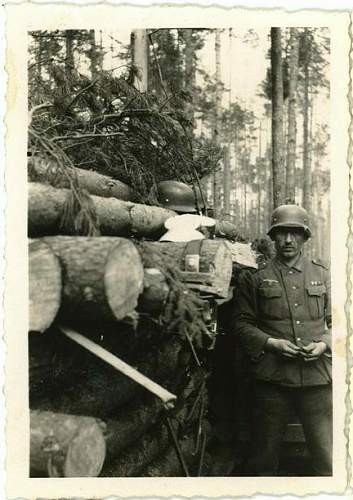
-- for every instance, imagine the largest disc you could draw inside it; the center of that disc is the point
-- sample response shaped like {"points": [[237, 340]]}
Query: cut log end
{"points": [[65, 445], [44, 286], [123, 278], [86, 453]]}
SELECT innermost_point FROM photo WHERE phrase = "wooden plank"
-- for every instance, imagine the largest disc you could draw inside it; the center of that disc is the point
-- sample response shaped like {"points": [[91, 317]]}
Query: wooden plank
{"points": [[117, 363]]}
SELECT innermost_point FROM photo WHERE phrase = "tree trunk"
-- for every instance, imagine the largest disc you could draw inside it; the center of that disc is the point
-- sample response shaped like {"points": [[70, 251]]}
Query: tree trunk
{"points": [[215, 267], [52, 360], [69, 60], [130, 423], [189, 82], [138, 456], [45, 283], [116, 217], [96, 285], [218, 99], [40, 170], [65, 445], [306, 108], [259, 184], [245, 186], [93, 54], [139, 41], [168, 464], [155, 291], [277, 118], [269, 182], [292, 122], [226, 181], [99, 390], [39, 60]]}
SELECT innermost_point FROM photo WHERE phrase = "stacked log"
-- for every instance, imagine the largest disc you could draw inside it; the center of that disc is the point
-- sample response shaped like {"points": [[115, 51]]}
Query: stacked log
{"points": [[215, 264], [90, 282], [66, 445], [131, 462], [112, 291], [47, 172], [44, 286], [116, 217], [96, 284]]}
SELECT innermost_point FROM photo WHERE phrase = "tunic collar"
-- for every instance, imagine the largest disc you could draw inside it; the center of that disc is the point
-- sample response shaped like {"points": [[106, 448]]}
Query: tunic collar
{"points": [[298, 265]]}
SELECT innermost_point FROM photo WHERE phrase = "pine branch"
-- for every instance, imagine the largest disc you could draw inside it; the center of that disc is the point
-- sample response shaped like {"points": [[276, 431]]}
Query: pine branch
{"points": [[37, 108], [84, 136]]}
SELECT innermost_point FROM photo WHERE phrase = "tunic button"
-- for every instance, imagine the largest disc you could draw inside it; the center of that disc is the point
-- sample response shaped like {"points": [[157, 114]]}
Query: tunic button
{"points": [[290, 272], [299, 339], [295, 304], [294, 287], [298, 322]]}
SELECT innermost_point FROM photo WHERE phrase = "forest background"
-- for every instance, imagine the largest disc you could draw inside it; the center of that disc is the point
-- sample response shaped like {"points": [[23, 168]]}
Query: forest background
{"points": [[244, 113]]}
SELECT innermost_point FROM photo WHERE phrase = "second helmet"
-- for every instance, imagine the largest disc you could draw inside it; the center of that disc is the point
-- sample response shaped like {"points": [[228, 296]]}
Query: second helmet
{"points": [[176, 196]]}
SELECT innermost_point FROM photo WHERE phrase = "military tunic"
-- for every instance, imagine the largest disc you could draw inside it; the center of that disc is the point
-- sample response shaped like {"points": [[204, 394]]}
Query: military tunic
{"points": [[292, 303]]}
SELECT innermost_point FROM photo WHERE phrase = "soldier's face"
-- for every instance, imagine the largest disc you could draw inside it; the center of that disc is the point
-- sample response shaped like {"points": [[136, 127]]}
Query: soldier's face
{"points": [[288, 242]]}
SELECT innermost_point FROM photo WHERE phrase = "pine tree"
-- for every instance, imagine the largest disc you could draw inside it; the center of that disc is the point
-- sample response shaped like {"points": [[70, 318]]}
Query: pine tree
{"points": [[140, 47], [292, 121], [216, 138], [277, 118]]}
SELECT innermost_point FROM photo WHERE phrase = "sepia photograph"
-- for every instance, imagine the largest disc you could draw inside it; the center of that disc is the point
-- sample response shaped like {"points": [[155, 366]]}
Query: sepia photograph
{"points": [[182, 206], [179, 225]]}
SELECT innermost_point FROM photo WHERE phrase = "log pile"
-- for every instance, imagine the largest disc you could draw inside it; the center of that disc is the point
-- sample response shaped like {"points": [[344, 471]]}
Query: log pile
{"points": [[135, 300]]}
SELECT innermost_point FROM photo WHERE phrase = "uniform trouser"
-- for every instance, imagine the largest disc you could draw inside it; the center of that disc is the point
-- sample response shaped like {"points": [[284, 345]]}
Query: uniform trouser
{"points": [[274, 405]]}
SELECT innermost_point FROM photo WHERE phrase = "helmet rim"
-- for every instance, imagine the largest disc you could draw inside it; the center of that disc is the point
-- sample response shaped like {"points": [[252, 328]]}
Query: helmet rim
{"points": [[290, 216], [181, 208], [306, 229]]}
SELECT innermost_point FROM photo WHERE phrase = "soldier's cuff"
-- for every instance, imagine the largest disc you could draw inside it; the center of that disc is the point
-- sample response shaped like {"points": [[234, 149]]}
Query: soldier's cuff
{"points": [[258, 350], [327, 339]]}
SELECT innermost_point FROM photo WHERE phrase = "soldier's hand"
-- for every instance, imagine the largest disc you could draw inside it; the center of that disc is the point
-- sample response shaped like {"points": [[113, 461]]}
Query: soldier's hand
{"points": [[313, 351], [283, 347]]}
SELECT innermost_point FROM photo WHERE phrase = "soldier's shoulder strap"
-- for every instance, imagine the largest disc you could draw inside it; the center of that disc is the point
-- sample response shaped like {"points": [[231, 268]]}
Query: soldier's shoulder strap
{"points": [[321, 263], [262, 264]]}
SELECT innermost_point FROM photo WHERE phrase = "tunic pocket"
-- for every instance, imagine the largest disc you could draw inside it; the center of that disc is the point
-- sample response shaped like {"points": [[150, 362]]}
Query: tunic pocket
{"points": [[270, 302], [316, 300]]}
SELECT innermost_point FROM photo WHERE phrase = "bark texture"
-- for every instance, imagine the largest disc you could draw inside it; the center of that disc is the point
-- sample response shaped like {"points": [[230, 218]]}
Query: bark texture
{"points": [[140, 59], [47, 172], [135, 458], [277, 118], [167, 464], [116, 217], [292, 122], [306, 108], [155, 291], [218, 99], [99, 391], [65, 445], [128, 424]]}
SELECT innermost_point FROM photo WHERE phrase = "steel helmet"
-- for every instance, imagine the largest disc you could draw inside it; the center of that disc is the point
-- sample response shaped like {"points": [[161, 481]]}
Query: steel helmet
{"points": [[177, 196], [290, 216]]}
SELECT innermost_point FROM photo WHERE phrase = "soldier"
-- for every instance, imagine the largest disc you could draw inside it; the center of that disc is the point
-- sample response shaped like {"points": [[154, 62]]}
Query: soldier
{"points": [[283, 321]]}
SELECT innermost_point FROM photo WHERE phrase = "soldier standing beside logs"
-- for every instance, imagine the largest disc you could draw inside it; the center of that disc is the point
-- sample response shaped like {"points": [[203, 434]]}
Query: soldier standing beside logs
{"points": [[283, 320]]}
